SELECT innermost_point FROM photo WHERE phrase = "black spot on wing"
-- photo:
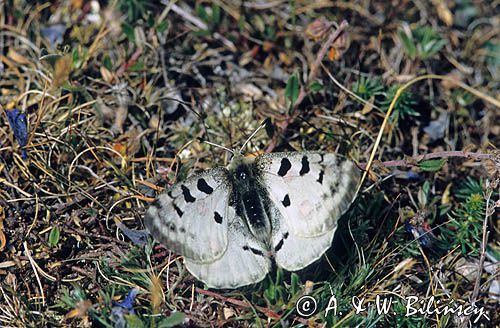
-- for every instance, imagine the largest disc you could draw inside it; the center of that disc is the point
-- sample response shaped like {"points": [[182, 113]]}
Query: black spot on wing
{"points": [[253, 250], [280, 243], [187, 195], [156, 203], [334, 187], [305, 166], [204, 187], [284, 167], [320, 177], [286, 201], [278, 246], [178, 210], [217, 217]]}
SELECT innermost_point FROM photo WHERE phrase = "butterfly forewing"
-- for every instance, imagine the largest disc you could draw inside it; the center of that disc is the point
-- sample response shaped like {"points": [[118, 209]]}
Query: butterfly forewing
{"points": [[310, 189], [191, 218]]}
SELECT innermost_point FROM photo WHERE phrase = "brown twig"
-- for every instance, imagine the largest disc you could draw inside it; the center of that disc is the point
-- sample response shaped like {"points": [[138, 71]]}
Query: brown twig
{"points": [[133, 59], [312, 74], [412, 161], [266, 311], [321, 54]]}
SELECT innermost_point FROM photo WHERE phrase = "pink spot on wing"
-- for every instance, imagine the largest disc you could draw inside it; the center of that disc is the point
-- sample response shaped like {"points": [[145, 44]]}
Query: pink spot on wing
{"points": [[305, 208]]}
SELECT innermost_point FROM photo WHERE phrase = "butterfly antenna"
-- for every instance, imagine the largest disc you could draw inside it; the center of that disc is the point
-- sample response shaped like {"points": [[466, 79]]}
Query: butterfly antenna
{"points": [[253, 134], [218, 146]]}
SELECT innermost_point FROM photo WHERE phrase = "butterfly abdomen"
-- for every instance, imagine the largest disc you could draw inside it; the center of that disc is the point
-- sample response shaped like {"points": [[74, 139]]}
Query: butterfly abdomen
{"points": [[250, 200]]}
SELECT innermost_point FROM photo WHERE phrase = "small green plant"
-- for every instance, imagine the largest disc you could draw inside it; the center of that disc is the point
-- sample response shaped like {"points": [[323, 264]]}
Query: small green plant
{"points": [[292, 89], [404, 104], [465, 228], [400, 307], [468, 187], [54, 236], [135, 9], [78, 306], [431, 165], [367, 88], [422, 42], [492, 53], [210, 15]]}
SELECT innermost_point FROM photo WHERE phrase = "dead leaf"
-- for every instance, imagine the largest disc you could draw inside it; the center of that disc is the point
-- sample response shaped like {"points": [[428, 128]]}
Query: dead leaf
{"points": [[77, 4], [367, 108], [332, 54], [285, 59], [228, 313], [339, 47], [308, 288], [62, 70], [17, 57], [80, 310], [443, 12], [318, 28], [267, 46], [454, 75], [106, 74], [156, 291]]}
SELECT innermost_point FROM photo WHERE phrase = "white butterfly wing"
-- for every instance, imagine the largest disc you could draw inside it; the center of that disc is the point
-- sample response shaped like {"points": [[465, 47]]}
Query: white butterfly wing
{"points": [[191, 218], [310, 189], [292, 252], [309, 192], [245, 261]]}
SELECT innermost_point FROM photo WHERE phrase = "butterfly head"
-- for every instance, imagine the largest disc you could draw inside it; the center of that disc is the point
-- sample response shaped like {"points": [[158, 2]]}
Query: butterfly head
{"points": [[241, 169]]}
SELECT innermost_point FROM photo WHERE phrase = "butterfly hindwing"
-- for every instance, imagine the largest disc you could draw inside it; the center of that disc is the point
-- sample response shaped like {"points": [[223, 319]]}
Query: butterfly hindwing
{"points": [[192, 217], [310, 189], [292, 252], [245, 261]]}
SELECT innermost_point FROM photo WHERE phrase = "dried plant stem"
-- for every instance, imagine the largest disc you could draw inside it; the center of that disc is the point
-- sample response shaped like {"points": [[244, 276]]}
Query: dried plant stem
{"points": [[412, 161], [312, 74], [317, 62], [266, 311]]}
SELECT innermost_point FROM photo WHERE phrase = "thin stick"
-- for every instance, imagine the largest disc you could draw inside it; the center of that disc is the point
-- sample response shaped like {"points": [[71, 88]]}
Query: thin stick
{"points": [[314, 69], [33, 265], [269, 313], [412, 161], [321, 54]]}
